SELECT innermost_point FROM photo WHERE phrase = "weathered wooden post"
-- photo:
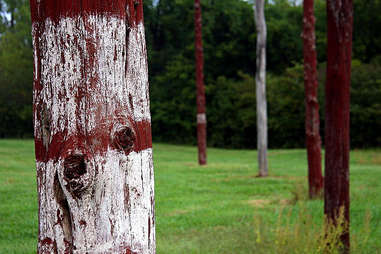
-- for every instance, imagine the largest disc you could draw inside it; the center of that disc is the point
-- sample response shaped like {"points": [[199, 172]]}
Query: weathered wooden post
{"points": [[260, 81], [92, 127], [201, 104], [312, 121], [337, 91]]}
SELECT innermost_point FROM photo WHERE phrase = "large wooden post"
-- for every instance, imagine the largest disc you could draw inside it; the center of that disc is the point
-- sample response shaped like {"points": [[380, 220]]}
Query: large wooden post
{"points": [[260, 80], [201, 104], [339, 50], [92, 127], [313, 141]]}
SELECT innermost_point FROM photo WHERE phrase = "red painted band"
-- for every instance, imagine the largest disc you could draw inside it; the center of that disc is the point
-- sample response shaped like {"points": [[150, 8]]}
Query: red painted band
{"points": [[43, 9], [61, 145]]}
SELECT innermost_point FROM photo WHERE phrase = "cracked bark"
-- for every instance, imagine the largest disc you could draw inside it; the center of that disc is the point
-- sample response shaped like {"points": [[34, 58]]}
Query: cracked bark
{"points": [[260, 80], [337, 89], [312, 121], [92, 127]]}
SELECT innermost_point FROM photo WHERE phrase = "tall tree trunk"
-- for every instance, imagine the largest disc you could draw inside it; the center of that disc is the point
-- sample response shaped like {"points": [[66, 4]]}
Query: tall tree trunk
{"points": [[313, 141], [92, 127], [339, 49], [260, 79], [201, 108]]}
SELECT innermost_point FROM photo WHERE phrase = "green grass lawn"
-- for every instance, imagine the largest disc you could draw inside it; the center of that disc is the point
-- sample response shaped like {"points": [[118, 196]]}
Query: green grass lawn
{"points": [[219, 208]]}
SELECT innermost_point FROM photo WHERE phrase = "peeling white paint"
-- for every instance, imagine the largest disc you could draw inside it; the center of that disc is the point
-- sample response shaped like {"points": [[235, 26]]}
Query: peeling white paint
{"points": [[87, 88], [67, 41], [201, 118], [104, 203]]}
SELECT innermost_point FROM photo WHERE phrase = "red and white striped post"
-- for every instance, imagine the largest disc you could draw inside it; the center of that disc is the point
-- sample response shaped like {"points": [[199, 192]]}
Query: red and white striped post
{"points": [[92, 127]]}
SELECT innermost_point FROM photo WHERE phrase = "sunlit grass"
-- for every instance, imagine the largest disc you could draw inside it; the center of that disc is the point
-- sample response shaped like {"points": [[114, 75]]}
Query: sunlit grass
{"points": [[219, 208]]}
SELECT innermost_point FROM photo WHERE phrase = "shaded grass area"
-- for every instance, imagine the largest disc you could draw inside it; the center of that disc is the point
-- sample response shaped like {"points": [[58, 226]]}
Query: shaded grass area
{"points": [[219, 208]]}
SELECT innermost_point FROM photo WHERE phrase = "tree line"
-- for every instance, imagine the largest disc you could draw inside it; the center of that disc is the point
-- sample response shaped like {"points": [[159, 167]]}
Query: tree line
{"points": [[91, 115], [229, 39]]}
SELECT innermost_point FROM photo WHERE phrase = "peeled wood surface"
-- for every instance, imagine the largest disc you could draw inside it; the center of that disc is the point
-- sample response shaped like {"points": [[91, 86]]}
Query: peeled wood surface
{"points": [[92, 128], [260, 80]]}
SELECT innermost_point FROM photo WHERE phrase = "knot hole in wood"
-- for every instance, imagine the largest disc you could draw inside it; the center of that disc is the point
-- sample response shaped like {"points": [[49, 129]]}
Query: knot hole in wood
{"points": [[124, 140], [74, 168]]}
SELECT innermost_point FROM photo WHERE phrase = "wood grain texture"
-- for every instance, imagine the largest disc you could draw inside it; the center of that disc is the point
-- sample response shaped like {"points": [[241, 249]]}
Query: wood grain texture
{"points": [[92, 128], [260, 81], [312, 121], [337, 96]]}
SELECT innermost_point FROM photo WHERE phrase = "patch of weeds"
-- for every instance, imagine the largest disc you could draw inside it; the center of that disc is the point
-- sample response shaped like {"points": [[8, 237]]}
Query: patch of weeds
{"points": [[299, 193], [305, 236]]}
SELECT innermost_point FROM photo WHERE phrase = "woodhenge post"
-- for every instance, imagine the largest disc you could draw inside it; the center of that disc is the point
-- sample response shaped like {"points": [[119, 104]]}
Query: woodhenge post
{"points": [[92, 127]]}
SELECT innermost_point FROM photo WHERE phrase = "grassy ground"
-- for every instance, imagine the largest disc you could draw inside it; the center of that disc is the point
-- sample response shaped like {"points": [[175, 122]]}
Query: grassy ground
{"points": [[220, 208]]}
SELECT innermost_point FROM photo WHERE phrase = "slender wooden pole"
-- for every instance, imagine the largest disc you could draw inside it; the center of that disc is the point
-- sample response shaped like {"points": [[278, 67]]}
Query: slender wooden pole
{"points": [[339, 50], [313, 140], [260, 80], [92, 127], [201, 104]]}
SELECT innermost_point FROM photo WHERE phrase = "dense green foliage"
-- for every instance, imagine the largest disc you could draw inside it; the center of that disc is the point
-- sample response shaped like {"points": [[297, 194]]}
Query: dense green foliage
{"points": [[229, 47], [219, 208], [16, 69]]}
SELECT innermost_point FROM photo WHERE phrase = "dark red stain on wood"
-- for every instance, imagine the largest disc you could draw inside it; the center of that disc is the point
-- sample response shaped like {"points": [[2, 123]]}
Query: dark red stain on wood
{"points": [[59, 217], [55, 10], [99, 141], [126, 197], [312, 122], [85, 142], [130, 101], [122, 249], [74, 166], [48, 246], [40, 150], [129, 251], [47, 241], [82, 223], [144, 136], [136, 15], [129, 10], [337, 94], [111, 227], [124, 140], [68, 247], [201, 142], [60, 145], [54, 148], [149, 230], [201, 104]]}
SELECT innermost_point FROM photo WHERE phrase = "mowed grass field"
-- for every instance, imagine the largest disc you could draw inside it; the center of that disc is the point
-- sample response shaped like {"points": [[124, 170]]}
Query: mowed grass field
{"points": [[218, 208]]}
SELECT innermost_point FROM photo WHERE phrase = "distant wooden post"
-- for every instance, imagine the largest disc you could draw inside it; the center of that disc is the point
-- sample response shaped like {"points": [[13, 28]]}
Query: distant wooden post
{"points": [[260, 80], [201, 104], [312, 122], [92, 127], [339, 50]]}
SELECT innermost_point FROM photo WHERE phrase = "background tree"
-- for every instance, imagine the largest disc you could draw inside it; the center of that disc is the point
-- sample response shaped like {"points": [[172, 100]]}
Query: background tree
{"points": [[16, 70], [201, 107], [260, 80], [229, 37], [313, 141], [337, 91], [92, 127]]}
